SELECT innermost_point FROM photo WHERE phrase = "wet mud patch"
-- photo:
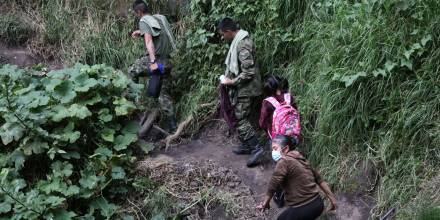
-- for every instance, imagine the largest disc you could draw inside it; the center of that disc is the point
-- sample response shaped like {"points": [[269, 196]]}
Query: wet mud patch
{"points": [[206, 189]]}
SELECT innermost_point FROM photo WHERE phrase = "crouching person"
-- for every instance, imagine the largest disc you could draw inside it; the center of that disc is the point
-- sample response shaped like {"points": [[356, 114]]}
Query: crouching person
{"points": [[300, 182], [243, 83]]}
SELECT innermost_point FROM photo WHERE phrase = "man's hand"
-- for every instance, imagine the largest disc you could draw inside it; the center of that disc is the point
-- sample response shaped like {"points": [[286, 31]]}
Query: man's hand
{"points": [[153, 67], [264, 205], [333, 205], [227, 81], [136, 34]]}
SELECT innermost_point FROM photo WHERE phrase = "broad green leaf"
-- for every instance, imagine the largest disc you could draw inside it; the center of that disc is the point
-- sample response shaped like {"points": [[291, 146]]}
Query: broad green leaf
{"points": [[123, 106], [426, 39], [54, 200], [64, 92], [5, 207], [60, 113], [120, 80], [145, 146], [62, 214], [131, 127], [11, 132], [18, 158], [108, 134], [123, 141], [62, 169], [91, 101], [34, 99], [118, 173], [72, 190], [37, 147], [406, 63], [106, 209], [83, 83], [408, 53], [79, 111], [379, 72], [89, 180], [50, 84], [104, 115], [349, 80], [389, 65]]}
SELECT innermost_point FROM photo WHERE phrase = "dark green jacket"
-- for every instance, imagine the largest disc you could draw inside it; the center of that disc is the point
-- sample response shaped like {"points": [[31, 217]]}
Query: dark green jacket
{"points": [[248, 81]]}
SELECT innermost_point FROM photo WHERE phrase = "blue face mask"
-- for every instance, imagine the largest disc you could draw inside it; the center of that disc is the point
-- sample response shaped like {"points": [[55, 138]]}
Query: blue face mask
{"points": [[276, 155]]}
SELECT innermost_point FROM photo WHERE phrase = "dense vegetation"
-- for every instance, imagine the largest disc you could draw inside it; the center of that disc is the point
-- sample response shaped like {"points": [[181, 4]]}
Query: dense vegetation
{"points": [[365, 74], [65, 142]]}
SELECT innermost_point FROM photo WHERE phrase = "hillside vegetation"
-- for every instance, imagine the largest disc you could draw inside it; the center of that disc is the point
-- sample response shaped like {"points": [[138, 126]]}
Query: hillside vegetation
{"points": [[365, 74]]}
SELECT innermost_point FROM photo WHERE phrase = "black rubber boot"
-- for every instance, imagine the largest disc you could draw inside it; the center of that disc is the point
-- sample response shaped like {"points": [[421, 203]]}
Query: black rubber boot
{"points": [[257, 152], [243, 148], [256, 157]]}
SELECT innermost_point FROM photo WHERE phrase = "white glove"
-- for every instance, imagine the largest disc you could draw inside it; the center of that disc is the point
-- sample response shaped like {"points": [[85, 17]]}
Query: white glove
{"points": [[222, 79]]}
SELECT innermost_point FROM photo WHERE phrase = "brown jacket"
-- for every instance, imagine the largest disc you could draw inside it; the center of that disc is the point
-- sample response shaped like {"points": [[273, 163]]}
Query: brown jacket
{"points": [[296, 177]]}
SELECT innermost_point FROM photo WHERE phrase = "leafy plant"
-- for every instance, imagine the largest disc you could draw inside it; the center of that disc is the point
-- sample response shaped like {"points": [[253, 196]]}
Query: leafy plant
{"points": [[66, 143]]}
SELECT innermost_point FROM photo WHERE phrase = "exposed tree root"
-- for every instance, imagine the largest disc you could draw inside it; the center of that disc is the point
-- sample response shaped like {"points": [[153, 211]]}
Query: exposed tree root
{"points": [[170, 138], [148, 122]]}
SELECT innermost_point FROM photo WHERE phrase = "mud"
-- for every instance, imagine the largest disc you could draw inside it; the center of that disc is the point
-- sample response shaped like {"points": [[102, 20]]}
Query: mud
{"points": [[23, 57], [212, 148]]}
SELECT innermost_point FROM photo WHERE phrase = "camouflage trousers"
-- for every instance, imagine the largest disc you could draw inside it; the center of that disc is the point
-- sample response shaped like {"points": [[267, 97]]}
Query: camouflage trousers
{"points": [[242, 110], [139, 69]]}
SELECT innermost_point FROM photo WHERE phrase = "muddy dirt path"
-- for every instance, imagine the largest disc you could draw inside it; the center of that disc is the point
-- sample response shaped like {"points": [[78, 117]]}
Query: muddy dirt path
{"points": [[23, 57], [213, 145]]}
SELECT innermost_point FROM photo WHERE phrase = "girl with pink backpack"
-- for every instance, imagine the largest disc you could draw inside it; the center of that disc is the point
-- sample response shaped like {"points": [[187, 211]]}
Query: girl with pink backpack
{"points": [[279, 112]]}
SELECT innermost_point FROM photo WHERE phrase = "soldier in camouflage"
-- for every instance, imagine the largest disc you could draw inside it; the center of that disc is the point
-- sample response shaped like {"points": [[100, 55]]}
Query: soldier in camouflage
{"points": [[159, 42], [244, 86]]}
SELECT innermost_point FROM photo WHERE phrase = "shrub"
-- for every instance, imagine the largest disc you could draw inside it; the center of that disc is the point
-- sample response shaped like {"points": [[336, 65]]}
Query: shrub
{"points": [[66, 142]]}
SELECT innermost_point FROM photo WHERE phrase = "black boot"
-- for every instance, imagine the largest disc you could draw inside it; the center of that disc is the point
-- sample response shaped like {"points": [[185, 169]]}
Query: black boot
{"points": [[257, 152], [256, 157], [243, 148]]}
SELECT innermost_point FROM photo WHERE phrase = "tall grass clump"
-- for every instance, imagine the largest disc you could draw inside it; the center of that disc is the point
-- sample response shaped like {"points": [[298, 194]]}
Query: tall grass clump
{"points": [[15, 31]]}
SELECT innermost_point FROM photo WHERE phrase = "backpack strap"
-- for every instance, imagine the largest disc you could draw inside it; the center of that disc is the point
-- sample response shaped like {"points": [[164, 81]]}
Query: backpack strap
{"points": [[166, 26], [287, 98], [273, 101]]}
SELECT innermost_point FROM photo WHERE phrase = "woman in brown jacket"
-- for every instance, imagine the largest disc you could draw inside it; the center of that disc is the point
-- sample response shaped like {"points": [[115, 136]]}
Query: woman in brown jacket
{"points": [[300, 182]]}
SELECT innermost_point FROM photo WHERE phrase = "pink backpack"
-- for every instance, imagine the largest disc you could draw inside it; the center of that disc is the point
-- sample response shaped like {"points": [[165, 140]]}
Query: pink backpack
{"points": [[285, 120]]}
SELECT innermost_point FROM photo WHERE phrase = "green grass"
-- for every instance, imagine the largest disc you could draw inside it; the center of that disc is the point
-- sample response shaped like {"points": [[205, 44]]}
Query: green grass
{"points": [[15, 30]]}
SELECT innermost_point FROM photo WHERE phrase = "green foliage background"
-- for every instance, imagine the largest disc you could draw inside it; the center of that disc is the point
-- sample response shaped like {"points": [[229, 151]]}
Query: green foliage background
{"points": [[365, 73]]}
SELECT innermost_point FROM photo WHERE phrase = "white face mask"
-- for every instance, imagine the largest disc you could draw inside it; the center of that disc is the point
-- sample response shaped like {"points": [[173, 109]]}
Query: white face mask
{"points": [[276, 155]]}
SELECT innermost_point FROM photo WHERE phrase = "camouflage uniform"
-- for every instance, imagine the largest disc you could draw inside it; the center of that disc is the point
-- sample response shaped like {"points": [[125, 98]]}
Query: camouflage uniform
{"points": [[163, 46], [246, 88], [139, 69]]}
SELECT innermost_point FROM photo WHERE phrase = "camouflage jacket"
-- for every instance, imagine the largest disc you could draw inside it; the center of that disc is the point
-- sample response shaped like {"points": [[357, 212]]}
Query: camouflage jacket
{"points": [[248, 81]]}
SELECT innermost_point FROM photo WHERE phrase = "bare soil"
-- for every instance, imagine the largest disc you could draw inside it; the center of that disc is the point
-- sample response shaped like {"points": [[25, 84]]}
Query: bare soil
{"points": [[212, 147], [23, 57]]}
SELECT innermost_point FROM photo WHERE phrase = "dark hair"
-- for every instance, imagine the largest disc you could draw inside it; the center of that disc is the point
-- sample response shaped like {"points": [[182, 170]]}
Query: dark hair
{"points": [[283, 141], [140, 5], [274, 83], [284, 85], [227, 24]]}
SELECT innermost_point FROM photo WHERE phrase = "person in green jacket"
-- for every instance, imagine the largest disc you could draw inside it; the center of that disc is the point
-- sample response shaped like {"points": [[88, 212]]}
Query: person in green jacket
{"points": [[159, 43], [244, 86]]}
